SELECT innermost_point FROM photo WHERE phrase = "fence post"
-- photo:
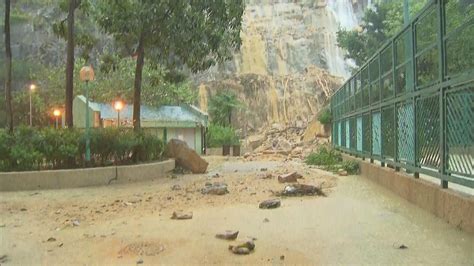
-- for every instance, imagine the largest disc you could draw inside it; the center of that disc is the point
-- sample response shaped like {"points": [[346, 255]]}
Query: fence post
{"points": [[442, 102]]}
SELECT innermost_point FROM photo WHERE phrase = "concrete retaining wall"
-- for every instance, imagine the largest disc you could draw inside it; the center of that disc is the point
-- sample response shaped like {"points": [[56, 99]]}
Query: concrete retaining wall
{"points": [[73, 178], [454, 207]]}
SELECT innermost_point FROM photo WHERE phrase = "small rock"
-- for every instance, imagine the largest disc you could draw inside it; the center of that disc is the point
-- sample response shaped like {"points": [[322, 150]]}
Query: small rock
{"points": [[60, 245], [247, 154], [3, 258], [243, 248], [76, 222], [51, 239], [228, 235], [140, 261], [289, 178], [263, 169], [176, 187], [215, 189], [282, 257], [342, 172], [270, 204], [180, 215], [23, 209], [402, 246], [300, 190], [266, 220]]}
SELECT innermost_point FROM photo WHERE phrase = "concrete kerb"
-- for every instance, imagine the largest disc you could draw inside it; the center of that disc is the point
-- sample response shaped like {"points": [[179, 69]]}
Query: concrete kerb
{"points": [[85, 177], [454, 207]]}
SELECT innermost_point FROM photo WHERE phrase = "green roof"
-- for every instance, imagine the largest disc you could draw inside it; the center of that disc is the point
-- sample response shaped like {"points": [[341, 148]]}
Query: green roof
{"points": [[164, 113]]}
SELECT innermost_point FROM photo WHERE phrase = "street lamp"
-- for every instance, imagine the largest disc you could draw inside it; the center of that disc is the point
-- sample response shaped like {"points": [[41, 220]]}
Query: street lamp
{"points": [[32, 89], [118, 106], [57, 114], [87, 74]]}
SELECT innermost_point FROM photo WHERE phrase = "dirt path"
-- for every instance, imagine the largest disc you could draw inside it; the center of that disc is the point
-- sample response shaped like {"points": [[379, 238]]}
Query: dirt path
{"points": [[358, 223]]}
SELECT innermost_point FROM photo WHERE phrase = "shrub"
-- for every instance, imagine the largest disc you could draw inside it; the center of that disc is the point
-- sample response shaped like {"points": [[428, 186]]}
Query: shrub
{"points": [[324, 156], [325, 116], [33, 149]]}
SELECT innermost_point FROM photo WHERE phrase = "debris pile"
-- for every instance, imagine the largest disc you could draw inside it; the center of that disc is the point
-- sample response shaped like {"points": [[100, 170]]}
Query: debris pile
{"points": [[293, 140]]}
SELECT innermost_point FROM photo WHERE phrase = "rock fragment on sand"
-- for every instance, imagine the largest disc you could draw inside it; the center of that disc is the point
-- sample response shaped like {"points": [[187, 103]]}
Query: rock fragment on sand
{"points": [[270, 204], [228, 235], [342, 172], [215, 189], [289, 178], [180, 215], [243, 248], [301, 190]]}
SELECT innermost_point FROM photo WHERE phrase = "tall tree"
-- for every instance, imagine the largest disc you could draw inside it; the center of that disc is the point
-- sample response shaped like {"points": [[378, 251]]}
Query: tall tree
{"points": [[8, 68], [70, 63], [174, 33], [221, 107]]}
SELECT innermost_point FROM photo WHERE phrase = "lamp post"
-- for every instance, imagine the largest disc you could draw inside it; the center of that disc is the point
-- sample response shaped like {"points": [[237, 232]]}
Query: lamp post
{"points": [[57, 114], [118, 106], [87, 74], [32, 89]]}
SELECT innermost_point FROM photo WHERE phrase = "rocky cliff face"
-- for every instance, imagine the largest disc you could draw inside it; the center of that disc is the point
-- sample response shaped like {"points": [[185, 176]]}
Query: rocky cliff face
{"points": [[289, 62]]}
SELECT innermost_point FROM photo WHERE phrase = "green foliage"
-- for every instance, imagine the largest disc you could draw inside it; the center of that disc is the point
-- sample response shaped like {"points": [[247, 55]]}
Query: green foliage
{"points": [[175, 33], [378, 25], [32, 149], [351, 166], [219, 135], [324, 157], [325, 116], [221, 107]]}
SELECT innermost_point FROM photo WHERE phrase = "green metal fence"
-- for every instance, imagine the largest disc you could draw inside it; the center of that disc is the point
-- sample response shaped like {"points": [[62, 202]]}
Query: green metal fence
{"points": [[412, 104]]}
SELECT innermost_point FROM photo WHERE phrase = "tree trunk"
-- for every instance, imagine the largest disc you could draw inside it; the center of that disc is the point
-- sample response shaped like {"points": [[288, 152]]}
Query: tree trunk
{"points": [[8, 68], [70, 64], [138, 83]]}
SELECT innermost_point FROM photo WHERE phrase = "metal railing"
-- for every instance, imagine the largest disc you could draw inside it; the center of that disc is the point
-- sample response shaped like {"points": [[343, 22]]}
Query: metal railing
{"points": [[412, 104]]}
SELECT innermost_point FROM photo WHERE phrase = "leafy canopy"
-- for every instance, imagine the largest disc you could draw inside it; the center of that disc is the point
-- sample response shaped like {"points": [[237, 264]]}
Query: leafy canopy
{"points": [[175, 33], [378, 25]]}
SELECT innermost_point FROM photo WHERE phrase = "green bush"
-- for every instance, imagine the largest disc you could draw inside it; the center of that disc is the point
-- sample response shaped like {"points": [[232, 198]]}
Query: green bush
{"points": [[324, 156], [325, 116], [351, 166], [33, 149], [219, 135]]}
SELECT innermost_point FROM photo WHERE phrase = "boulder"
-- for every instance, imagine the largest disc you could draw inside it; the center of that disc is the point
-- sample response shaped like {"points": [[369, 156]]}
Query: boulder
{"points": [[186, 157]]}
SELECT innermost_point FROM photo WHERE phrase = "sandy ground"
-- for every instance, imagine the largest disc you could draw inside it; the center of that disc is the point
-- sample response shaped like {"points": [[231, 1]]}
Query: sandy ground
{"points": [[357, 223]]}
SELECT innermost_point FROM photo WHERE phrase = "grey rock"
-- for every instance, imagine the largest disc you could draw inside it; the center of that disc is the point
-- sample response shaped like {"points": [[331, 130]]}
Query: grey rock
{"points": [[270, 204]]}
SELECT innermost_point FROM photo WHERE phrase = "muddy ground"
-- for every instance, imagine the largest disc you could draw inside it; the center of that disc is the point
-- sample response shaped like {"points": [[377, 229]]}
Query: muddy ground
{"points": [[357, 223]]}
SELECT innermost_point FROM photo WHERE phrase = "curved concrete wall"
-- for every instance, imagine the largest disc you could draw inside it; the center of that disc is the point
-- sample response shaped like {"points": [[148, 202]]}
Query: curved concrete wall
{"points": [[72, 178]]}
